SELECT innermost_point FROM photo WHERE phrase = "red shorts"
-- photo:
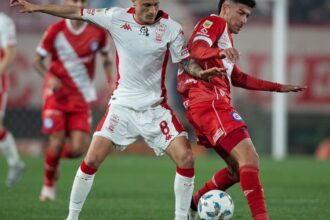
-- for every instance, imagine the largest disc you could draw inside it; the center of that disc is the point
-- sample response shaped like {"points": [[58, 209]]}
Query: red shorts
{"points": [[3, 93], [217, 124], [3, 103], [57, 117]]}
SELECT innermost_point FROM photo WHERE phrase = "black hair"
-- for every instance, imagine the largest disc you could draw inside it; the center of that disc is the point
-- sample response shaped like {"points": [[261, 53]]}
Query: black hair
{"points": [[250, 3]]}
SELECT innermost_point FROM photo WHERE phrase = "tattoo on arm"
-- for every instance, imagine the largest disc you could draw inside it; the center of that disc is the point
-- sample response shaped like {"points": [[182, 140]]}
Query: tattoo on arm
{"points": [[191, 67]]}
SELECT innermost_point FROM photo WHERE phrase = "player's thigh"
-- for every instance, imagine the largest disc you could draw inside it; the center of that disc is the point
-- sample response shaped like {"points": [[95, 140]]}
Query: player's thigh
{"points": [[98, 150], [159, 127], [57, 141], [215, 119], [245, 153], [79, 121], [53, 120], [118, 126], [79, 140]]}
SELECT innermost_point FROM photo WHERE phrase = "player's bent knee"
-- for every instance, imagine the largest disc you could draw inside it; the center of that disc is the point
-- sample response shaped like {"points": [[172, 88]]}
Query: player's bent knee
{"points": [[93, 161], [186, 160]]}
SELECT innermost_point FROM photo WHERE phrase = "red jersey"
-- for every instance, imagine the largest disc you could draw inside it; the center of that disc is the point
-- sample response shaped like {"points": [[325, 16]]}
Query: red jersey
{"points": [[73, 55], [210, 36]]}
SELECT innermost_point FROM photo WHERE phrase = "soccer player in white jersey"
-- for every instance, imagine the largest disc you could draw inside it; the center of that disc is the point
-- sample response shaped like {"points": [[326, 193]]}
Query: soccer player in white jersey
{"points": [[144, 37], [7, 55], [72, 46]]}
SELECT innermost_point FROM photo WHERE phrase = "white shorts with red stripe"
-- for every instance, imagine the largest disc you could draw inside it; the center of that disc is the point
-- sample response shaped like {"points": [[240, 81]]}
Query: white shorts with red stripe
{"points": [[158, 126]]}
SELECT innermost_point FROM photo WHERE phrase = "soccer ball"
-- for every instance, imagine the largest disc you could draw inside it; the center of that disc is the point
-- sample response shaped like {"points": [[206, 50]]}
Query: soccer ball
{"points": [[215, 205]]}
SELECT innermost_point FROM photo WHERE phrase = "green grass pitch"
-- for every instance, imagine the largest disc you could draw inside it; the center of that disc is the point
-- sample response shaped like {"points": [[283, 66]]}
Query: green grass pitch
{"points": [[141, 188]]}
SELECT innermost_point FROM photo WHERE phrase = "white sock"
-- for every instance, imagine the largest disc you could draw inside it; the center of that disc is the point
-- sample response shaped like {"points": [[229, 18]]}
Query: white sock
{"points": [[8, 146], [183, 189], [82, 184]]}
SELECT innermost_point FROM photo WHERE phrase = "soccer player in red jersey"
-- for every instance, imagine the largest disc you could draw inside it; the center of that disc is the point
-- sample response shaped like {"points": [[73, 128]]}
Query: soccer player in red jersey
{"points": [[7, 56], [208, 104], [145, 37], [72, 46]]}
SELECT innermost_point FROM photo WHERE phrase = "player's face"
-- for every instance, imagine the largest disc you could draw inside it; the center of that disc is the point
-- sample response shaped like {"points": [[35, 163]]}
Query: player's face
{"points": [[146, 10], [78, 3], [236, 16]]}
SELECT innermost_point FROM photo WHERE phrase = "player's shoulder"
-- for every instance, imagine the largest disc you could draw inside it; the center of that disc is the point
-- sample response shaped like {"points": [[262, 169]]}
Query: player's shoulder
{"points": [[210, 20], [166, 19], [57, 26], [118, 11]]}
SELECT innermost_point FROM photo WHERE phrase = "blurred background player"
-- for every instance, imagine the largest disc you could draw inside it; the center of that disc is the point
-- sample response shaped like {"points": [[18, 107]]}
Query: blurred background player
{"points": [[72, 46], [216, 122], [145, 37], [7, 56]]}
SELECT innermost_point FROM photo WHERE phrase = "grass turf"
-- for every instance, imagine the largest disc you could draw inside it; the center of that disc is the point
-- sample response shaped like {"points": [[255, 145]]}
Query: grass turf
{"points": [[141, 188]]}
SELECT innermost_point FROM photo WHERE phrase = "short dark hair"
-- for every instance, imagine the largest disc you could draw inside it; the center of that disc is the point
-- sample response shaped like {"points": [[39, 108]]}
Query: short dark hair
{"points": [[250, 3]]}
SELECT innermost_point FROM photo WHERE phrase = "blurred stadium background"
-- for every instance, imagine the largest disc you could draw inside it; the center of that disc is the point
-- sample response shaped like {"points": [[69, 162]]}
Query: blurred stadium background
{"points": [[308, 63]]}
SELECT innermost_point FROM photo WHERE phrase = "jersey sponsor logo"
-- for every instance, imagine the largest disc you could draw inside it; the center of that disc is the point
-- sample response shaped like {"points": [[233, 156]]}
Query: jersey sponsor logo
{"points": [[91, 11], [126, 27], [190, 81], [207, 24], [98, 10], [203, 32], [218, 134], [236, 116], [144, 31]]}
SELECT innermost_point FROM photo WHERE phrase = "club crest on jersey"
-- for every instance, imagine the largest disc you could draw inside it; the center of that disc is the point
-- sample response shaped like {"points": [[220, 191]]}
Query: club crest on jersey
{"points": [[207, 24], [48, 123], [94, 46], [160, 31], [144, 31], [236, 116]]}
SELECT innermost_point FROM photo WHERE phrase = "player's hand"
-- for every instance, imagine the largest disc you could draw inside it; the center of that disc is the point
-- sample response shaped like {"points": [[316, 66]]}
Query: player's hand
{"points": [[292, 88], [212, 72], [54, 83], [231, 54], [25, 7]]}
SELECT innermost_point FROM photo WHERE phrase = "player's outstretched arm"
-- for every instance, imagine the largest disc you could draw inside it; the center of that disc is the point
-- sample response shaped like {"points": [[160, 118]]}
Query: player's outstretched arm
{"points": [[65, 11], [292, 88], [191, 67]]}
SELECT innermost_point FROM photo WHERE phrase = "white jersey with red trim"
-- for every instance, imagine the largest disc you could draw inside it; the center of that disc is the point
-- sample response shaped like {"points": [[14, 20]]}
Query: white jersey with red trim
{"points": [[73, 55], [142, 54], [7, 39], [7, 32]]}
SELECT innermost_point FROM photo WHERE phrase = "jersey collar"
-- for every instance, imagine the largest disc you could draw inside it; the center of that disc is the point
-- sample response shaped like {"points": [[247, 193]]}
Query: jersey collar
{"points": [[75, 31], [161, 14]]}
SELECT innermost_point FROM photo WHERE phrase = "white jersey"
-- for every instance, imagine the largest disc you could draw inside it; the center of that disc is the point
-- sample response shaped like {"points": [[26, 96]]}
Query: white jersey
{"points": [[7, 32], [142, 53]]}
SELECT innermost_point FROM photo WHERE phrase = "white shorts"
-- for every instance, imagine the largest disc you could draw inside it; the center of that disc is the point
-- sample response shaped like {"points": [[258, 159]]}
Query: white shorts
{"points": [[158, 126]]}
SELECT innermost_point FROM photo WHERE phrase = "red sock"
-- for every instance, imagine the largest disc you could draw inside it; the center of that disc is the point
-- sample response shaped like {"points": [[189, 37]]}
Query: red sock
{"points": [[251, 186], [3, 134], [67, 154], [51, 166], [221, 180]]}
